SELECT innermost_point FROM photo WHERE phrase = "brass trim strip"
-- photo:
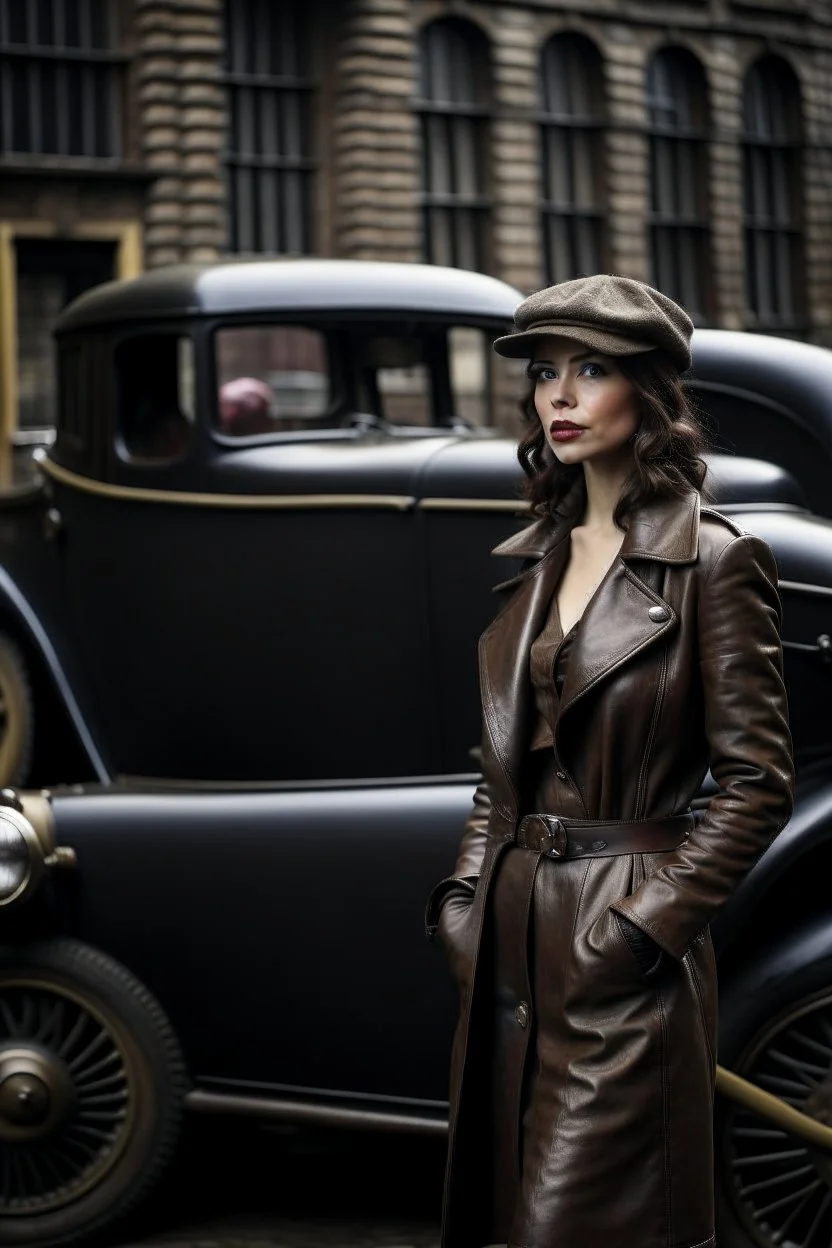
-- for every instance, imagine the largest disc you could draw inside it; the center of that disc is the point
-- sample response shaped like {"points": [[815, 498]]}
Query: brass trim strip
{"points": [[801, 587], [252, 502], [767, 1106], [473, 504], [278, 1109]]}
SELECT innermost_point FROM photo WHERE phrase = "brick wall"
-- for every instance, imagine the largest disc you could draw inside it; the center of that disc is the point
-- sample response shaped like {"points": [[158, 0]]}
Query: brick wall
{"points": [[726, 36], [369, 174]]}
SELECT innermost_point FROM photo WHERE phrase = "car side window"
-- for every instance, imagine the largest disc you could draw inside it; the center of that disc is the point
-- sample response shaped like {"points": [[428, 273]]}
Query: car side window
{"points": [[485, 386], [397, 367], [271, 379], [155, 385]]}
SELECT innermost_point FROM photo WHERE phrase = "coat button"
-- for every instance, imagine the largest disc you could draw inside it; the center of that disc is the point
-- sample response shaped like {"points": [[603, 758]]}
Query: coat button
{"points": [[657, 614], [522, 1014], [561, 775]]}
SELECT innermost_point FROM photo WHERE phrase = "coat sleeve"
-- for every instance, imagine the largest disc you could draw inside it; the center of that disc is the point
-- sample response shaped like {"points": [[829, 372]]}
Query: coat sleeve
{"points": [[746, 723], [468, 860]]}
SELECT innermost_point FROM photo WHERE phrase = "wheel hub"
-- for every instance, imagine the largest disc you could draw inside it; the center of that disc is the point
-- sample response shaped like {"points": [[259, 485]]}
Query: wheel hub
{"points": [[36, 1093]]}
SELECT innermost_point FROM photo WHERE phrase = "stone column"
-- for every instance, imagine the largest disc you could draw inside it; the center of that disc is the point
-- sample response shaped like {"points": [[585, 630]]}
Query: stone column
{"points": [[182, 118], [158, 92], [817, 193], [515, 146], [376, 141], [726, 185], [627, 154], [203, 112]]}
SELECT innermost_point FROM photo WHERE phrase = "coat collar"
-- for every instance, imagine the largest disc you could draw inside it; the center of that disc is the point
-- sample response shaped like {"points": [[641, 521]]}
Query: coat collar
{"points": [[664, 529]]}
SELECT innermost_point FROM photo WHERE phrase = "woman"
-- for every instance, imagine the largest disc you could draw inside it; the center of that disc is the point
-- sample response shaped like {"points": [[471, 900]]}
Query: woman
{"points": [[638, 647]]}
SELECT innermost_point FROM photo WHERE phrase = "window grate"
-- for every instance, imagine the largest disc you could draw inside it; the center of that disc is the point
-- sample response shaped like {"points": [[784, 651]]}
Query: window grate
{"points": [[679, 232], [571, 131], [61, 79], [270, 161], [772, 168], [453, 103]]}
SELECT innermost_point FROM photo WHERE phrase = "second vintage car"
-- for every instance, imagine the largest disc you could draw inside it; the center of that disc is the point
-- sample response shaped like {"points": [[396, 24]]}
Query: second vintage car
{"points": [[238, 625]]}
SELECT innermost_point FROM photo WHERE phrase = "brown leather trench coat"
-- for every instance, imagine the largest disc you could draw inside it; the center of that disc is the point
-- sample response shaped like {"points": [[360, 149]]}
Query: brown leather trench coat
{"points": [[612, 1147]]}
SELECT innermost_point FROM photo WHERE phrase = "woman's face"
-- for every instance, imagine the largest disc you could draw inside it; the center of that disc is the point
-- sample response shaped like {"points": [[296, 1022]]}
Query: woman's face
{"points": [[587, 407]]}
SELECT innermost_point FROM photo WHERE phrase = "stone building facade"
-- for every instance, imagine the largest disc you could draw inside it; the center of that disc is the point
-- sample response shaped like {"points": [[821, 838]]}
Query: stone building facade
{"points": [[685, 142]]}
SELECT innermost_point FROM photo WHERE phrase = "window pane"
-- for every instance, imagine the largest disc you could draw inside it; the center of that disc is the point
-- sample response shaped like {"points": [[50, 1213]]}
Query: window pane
{"points": [[40, 297], [583, 165], [785, 269], [781, 186], [586, 249], [689, 289], [270, 158], [509, 386], [154, 373], [396, 367], [559, 173], [464, 148], [664, 182], [689, 186], [52, 105], [271, 378], [453, 70], [570, 78], [468, 362]]}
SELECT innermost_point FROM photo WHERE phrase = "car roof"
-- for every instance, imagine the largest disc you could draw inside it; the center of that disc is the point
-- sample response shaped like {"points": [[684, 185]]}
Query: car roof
{"points": [[293, 286]]}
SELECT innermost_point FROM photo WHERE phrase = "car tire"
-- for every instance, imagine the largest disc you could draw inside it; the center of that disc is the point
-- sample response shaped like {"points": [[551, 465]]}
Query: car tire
{"points": [[17, 714], [92, 1084], [772, 1190]]}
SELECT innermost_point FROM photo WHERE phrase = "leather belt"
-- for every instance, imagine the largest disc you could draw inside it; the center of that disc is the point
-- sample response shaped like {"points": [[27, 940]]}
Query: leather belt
{"points": [[601, 838]]}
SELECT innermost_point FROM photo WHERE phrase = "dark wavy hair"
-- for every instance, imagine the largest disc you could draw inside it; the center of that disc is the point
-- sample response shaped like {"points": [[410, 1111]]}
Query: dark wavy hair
{"points": [[667, 445]]}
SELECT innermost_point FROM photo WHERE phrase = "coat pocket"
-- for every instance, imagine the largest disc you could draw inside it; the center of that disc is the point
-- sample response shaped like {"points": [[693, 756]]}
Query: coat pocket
{"points": [[701, 965]]}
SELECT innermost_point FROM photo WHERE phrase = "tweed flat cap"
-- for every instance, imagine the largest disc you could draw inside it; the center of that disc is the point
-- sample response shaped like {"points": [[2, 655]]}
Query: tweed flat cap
{"points": [[611, 314]]}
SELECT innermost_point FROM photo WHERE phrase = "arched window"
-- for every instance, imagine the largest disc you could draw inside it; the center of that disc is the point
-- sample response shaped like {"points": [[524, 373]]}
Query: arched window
{"points": [[572, 107], [454, 95], [61, 79], [772, 193], [270, 157], [679, 238]]}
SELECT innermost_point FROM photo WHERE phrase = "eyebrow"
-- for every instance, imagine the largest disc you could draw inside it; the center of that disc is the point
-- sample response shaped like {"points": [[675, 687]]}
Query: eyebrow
{"points": [[573, 359]]}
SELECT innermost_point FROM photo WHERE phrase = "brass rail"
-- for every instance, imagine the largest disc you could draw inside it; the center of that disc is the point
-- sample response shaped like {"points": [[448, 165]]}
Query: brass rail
{"points": [[767, 1106]]}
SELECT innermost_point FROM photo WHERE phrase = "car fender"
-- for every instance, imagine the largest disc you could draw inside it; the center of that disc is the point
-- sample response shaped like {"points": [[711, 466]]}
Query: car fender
{"points": [[809, 828], [756, 991], [18, 614]]}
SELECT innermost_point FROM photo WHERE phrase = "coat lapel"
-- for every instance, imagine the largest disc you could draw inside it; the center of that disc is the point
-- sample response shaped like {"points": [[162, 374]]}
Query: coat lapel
{"points": [[505, 680], [624, 617]]}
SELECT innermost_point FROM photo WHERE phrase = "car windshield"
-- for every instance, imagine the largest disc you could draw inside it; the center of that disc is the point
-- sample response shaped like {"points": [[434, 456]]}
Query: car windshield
{"points": [[279, 378]]}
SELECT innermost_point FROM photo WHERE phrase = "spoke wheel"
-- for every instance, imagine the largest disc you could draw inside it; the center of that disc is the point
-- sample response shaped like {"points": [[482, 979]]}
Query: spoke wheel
{"points": [[778, 1188], [65, 1107], [91, 1087]]}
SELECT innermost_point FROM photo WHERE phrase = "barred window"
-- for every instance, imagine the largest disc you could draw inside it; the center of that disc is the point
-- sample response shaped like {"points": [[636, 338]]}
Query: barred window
{"points": [[61, 79], [772, 193], [270, 158], [454, 94], [572, 107], [679, 234]]}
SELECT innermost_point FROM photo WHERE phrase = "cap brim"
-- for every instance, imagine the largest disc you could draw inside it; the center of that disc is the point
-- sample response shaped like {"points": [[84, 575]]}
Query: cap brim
{"points": [[521, 346]]}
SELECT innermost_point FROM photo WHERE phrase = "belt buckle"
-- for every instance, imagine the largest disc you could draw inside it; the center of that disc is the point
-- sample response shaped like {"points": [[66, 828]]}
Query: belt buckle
{"points": [[553, 842]]}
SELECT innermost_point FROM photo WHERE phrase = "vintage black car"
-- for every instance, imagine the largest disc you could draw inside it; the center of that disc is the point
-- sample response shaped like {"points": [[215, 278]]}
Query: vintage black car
{"points": [[238, 702]]}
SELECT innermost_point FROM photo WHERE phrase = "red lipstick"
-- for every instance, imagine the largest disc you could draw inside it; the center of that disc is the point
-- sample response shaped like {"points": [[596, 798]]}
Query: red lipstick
{"points": [[565, 430]]}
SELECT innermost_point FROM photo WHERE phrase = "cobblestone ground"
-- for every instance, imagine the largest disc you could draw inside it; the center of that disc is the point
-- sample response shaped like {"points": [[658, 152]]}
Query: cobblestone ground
{"points": [[256, 1189]]}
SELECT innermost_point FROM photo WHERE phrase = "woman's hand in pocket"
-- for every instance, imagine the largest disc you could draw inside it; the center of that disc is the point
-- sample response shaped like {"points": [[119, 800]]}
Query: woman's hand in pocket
{"points": [[453, 932], [651, 958]]}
